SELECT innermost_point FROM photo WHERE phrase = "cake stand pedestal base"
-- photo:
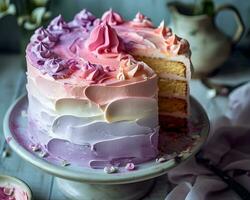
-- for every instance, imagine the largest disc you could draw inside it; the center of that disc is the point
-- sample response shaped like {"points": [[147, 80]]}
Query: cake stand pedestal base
{"points": [[84, 191]]}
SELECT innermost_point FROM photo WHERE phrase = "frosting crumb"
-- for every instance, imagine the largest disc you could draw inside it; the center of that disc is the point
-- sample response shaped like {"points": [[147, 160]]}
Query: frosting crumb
{"points": [[110, 169], [130, 166], [65, 163]]}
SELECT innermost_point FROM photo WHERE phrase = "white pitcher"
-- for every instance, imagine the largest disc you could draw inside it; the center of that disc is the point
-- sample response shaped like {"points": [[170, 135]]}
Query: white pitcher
{"points": [[210, 47]]}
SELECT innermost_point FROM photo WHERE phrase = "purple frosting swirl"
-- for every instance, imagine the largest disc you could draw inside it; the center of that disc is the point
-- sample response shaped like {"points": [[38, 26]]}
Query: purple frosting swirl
{"points": [[85, 19], [42, 51], [43, 42], [59, 68], [58, 26], [43, 34], [44, 38]]}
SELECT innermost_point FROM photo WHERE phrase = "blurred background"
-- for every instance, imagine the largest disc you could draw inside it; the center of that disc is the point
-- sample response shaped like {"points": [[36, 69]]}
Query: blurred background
{"points": [[156, 9]]}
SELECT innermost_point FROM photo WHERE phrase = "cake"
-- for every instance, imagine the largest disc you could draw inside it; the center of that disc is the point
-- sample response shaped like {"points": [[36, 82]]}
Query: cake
{"points": [[94, 86]]}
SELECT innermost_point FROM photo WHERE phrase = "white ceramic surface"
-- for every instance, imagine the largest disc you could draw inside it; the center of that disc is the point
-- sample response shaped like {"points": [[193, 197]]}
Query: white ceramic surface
{"points": [[209, 45]]}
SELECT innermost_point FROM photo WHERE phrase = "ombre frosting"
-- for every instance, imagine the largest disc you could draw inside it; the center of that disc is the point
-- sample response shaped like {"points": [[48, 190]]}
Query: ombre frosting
{"points": [[90, 101]]}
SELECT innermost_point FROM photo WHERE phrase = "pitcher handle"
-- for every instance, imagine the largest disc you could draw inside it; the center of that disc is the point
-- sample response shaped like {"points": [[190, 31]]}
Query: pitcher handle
{"points": [[241, 27]]}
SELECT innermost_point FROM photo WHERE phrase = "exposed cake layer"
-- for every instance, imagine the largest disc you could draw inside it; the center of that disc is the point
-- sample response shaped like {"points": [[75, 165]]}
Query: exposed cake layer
{"points": [[173, 106], [173, 88], [165, 68], [174, 124], [173, 91]]}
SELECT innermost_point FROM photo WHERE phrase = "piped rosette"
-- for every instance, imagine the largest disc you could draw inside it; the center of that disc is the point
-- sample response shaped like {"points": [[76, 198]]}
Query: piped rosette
{"points": [[104, 41], [141, 20], [84, 20], [173, 43]]}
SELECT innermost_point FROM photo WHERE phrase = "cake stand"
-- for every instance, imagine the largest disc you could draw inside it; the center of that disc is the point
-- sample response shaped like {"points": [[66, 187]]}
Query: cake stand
{"points": [[81, 183]]}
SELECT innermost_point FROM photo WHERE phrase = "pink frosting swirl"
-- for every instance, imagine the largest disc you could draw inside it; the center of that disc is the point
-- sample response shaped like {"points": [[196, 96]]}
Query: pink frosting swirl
{"points": [[176, 45], [112, 18], [163, 30], [59, 68], [103, 40], [130, 68], [141, 20], [94, 73]]}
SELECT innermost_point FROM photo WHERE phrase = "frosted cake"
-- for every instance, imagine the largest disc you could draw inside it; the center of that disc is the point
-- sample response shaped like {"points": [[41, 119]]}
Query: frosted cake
{"points": [[93, 88]]}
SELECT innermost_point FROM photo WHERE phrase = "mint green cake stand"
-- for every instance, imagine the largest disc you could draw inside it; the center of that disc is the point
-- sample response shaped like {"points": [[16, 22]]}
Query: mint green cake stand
{"points": [[79, 183]]}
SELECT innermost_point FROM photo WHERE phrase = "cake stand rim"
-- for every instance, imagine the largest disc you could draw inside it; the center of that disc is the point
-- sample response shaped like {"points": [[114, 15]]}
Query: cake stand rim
{"points": [[95, 178]]}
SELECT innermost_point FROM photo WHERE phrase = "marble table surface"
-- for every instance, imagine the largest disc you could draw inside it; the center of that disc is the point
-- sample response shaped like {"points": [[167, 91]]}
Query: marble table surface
{"points": [[43, 186]]}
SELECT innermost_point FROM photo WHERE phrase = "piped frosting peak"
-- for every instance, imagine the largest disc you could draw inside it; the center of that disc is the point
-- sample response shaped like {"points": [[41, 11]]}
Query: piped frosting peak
{"points": [[176, 45], [85, 19], [59, 68], [58, 26], [43, 35], [93, 72], [163, 30], [103, 40], [141, 20], [112, 18], [130, 68]]}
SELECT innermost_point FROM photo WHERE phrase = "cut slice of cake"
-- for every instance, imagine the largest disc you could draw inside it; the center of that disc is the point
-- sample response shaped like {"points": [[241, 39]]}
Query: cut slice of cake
{"points": [[169, 56]]}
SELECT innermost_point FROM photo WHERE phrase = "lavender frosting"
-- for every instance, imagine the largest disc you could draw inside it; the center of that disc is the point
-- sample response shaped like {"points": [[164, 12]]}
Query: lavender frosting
{"points": [[58, 26], [89, 141], [44, 40], [85, 19], [59, 68]]}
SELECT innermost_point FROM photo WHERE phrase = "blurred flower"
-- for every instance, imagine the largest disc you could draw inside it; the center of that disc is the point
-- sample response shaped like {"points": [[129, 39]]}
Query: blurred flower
{"points": [[6, 8], [31, 22], [39, 3]]}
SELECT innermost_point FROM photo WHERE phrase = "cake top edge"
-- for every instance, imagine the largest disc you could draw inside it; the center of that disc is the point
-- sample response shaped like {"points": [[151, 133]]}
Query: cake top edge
{"points": [[101, 49]]}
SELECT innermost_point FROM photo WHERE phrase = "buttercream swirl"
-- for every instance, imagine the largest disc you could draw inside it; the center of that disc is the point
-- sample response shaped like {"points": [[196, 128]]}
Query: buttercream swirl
{"points": [[58, 26], [85, 19], [176, 45], [141, 20], [162, 30], [59, 68], [103, 40], [112, 18], [130, 68], [93, 72], [43, 35], [42, 51]]}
